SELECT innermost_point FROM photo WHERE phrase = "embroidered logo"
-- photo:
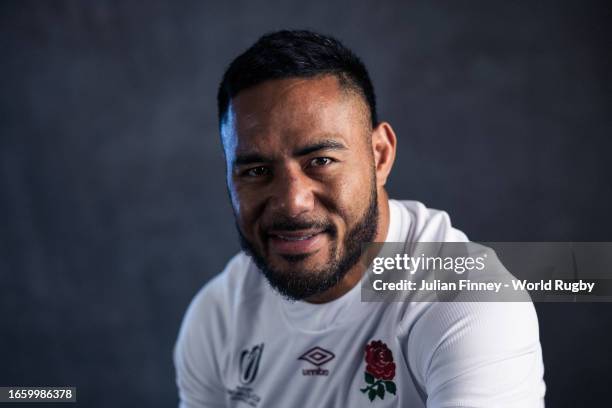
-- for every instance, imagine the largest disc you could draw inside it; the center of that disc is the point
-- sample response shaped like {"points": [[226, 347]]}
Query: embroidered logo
{"points": [[317, 356], [380, 370], [249, 363]]}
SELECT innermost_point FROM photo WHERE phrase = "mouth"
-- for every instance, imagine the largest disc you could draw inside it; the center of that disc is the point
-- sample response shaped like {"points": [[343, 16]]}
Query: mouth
{"points": [[298, 242]]}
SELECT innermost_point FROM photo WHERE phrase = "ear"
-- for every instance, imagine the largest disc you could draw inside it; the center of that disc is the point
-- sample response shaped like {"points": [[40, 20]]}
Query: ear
{"points": [[384, 143]]}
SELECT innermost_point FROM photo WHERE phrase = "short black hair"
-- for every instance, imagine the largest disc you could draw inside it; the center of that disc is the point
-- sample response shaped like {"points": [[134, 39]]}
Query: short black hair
{"points": [[295, 53]]}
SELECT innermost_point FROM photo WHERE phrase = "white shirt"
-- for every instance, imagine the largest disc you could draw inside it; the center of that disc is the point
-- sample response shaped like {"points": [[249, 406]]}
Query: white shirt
{"points": [[241, 344]]}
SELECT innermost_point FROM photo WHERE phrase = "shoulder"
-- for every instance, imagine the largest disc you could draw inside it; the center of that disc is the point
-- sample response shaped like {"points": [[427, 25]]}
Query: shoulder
{"points": [[207, 324], [470, 353], [211, 311], [200, 349], [428, 224], [218, 298]]}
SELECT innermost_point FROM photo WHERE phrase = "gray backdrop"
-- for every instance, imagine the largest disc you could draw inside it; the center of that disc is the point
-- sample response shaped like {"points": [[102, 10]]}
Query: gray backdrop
{"points": [[113, 209]]}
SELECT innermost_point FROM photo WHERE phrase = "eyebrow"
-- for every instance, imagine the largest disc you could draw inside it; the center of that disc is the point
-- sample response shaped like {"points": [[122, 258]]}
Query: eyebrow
{"points": [[329, 144], [243, 159]]}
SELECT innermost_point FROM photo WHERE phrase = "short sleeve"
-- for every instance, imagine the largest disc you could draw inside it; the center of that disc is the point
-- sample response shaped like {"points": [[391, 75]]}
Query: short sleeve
{"points": [[485, 354], [198, 376]]}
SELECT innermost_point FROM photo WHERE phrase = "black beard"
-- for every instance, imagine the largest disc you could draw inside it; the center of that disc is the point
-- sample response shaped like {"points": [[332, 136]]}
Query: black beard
{"points": [[298, 284]]}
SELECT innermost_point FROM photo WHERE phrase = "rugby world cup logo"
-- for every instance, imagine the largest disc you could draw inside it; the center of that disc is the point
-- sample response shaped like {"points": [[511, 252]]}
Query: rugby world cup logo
{"points": [[249, 363]]}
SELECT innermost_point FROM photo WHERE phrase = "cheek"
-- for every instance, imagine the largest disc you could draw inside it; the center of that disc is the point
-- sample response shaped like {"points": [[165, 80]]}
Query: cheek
{"points": [[349, 196], [246, 204]]}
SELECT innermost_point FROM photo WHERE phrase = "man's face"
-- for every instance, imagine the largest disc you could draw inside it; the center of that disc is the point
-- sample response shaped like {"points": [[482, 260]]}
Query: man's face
{"points": [[300, 173]]}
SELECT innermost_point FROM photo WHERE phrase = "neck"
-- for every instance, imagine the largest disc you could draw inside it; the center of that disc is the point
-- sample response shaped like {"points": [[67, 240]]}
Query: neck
{"points": [[354, 275]]}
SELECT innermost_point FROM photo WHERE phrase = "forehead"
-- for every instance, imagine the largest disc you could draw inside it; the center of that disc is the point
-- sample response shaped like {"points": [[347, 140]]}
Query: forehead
{"points": [[288, 112]]}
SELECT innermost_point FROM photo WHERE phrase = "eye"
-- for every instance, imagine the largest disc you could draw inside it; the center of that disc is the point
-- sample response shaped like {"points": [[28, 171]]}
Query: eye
{"points": [[258, 171], [320, 162]]}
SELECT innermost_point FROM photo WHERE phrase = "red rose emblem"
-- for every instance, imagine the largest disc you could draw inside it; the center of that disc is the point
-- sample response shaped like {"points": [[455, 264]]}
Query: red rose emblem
{"points": [[379, 360], [379, 372]]}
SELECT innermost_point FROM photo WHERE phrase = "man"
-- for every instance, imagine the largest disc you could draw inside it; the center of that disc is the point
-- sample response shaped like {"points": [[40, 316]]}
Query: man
{"points": [[284, 325]]}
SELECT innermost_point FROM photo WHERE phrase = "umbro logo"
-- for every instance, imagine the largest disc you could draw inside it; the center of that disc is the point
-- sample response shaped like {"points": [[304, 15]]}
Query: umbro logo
{"points": [[316, 356]]}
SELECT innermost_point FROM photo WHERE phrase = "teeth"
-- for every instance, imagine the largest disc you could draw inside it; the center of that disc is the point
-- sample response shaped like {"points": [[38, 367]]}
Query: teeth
{"points": [[294, 238]]}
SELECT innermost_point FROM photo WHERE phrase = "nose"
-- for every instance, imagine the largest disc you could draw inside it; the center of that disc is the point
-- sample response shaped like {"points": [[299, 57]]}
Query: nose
{"points": [[292, 193]]}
